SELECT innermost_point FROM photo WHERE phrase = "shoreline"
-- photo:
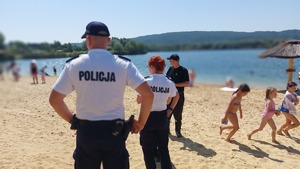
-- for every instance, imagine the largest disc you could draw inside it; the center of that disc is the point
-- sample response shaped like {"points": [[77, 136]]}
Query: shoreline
{"points": [[197, 82]]}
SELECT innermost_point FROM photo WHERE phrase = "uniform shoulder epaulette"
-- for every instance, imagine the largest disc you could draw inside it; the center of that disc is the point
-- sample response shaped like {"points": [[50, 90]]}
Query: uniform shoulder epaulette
{"points": [[146, 77], [69, 60], [168, 77], [124, 58]]}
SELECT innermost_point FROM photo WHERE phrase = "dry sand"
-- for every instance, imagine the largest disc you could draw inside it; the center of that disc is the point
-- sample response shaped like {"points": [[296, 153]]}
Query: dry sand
{"points": [[33, 136]]}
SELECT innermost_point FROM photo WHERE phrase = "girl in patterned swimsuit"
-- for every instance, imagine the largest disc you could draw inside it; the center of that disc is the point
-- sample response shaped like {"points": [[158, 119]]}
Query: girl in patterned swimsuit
{"points": [[233, 107], [268, 113], [288, 109]]}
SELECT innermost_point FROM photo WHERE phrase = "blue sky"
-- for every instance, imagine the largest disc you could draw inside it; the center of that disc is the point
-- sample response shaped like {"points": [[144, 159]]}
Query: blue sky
{"points": [[65, 20]]}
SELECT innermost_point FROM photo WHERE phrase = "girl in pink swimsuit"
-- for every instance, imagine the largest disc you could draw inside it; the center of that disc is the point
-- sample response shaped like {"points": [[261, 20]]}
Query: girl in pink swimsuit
{"points": [[268, 113]]}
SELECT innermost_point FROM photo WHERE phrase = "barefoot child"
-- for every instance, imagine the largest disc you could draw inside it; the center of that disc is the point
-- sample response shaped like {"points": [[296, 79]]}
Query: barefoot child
{"points": [[268, 113], [43, 75], [233, 107], [289, 110]]}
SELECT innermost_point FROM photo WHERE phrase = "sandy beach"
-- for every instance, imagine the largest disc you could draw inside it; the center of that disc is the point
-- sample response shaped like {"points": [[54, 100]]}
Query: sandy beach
{"points": [[33, 136]]}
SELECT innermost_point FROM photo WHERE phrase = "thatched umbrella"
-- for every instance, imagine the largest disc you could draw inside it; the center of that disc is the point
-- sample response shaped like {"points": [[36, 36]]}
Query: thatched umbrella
{"points": [[287, 50]]}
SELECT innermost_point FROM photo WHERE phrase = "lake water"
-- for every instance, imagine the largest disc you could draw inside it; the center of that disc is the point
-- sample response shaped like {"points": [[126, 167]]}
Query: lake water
{"points": [[211, 67]]}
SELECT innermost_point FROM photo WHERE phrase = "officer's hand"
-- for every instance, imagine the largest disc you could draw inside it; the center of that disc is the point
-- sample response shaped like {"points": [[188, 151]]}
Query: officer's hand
{"points": [[169, 112], [136, 127]]}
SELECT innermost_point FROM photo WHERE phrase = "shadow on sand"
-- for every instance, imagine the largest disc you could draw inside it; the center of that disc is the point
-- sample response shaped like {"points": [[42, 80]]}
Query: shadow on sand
{"points": [[257, 152], [159, 167], [190, 145], [297, 140], [289, 149]]}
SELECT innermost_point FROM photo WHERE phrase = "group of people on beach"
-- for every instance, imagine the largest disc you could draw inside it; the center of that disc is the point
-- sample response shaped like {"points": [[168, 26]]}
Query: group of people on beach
{"points": [[99, 80], [15, 70], [35, 72], [287, 107]]}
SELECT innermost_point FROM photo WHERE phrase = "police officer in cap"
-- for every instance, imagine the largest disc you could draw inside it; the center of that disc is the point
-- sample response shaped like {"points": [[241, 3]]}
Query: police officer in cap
{"points": [[180, 77], [99, 80]]}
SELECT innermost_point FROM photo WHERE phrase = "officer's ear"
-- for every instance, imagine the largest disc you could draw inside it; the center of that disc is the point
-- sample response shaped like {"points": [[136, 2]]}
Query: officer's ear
{"points": [[88, 41], [108, 41]]}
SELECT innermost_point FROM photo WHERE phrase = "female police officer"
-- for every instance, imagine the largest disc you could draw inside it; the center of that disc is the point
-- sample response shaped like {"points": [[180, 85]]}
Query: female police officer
{"points": [[156, 130], [99, 79]]}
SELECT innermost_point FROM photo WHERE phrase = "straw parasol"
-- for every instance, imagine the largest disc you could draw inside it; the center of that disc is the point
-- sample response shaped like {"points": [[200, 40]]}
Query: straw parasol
{"points": [[287, 50]]}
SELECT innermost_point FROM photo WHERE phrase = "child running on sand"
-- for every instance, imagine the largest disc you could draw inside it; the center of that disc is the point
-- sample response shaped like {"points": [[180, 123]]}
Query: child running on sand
{"points": [[268, 113], [43, 75], [288, 108], [233, 107]]}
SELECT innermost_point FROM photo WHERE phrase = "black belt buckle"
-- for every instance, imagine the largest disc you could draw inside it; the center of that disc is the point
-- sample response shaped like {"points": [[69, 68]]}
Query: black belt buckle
{"points": [[118, 127]]}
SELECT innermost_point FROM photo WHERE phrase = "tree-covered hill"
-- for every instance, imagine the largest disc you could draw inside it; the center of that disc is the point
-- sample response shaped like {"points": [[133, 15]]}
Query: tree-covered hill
{"points": [[175, 38], [206, 40], [195, 40]]}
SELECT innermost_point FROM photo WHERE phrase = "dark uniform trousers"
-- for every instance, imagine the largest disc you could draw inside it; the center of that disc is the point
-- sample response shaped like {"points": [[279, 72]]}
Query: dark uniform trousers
{"points": [[95, 144], [156, 133], [177, 112]]}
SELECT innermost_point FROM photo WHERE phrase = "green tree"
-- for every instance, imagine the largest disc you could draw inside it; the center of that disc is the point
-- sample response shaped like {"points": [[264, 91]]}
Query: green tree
{"points": [[131, 47], [67, 47], [2, 41], [57, 45], [83, 46], [118, 48]]}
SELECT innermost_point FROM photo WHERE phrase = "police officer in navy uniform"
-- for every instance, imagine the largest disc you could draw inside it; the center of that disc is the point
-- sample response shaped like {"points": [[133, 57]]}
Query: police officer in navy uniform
{"points": [[99, 80], [156, 130], [180, 77]]}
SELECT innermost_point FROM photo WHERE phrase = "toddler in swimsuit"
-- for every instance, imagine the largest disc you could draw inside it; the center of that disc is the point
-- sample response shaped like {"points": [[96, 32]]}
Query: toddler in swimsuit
{"points": [[268, 113]]}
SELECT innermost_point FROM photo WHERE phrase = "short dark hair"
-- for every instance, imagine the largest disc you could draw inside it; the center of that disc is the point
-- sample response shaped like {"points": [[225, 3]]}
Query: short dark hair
{"points": [[243, 88], [290, 84]]}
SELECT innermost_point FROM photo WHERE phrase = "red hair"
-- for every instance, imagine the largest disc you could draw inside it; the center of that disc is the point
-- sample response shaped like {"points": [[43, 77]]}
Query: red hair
{"points": [[157, 62]]}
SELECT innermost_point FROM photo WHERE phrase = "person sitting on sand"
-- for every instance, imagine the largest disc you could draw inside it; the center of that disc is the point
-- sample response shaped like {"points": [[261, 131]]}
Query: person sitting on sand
{"points": [[268, 113], [233, 107], [229, 82], [289, 110]]}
